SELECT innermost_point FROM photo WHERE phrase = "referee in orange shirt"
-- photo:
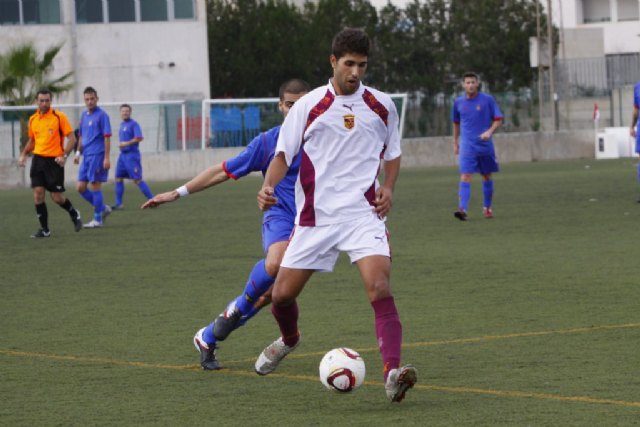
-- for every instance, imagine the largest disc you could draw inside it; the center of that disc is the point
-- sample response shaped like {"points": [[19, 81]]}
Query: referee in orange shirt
{"points": [[47, 130]]}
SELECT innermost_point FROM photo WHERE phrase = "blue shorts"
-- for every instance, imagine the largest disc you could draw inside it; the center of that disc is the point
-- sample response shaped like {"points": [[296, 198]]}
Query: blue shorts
{"points": [[129, 166], [482, 163], [91, 169], [275, 229]]}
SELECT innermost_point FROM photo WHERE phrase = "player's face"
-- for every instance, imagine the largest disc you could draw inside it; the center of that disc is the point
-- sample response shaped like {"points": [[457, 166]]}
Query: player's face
{"points": [[90, 101], [125, 113], [44, 102], [287, 101], [470, 85], [347, 72]]}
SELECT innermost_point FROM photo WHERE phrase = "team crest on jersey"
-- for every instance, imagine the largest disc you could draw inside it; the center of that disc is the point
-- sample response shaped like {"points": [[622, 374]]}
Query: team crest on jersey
{"points": [[349, 121], [478, 107]]}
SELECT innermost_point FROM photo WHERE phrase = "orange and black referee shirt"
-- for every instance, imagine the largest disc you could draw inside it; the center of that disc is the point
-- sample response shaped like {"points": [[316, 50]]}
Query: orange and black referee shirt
{"points": [[46, 130]]}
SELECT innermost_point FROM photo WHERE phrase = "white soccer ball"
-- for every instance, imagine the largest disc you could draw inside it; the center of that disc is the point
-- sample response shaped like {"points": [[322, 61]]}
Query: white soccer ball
{"points": [[342, 370]]}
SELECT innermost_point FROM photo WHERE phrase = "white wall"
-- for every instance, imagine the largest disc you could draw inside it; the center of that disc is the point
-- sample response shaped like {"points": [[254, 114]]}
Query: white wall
{"points": [[125, 61]]}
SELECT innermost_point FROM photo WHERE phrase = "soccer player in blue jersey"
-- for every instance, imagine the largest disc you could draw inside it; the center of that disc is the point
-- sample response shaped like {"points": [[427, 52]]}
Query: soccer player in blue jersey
{"points": [[475, 116], [129, 165], [95, 145], [633, 131], [276, 226]]}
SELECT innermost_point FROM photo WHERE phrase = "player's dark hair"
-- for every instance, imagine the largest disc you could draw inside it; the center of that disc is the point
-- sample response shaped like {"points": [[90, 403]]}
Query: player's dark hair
{"points": [[471, 74], [44, 91], [350, 40], [127, 106], [294, 86], [89, 89]]}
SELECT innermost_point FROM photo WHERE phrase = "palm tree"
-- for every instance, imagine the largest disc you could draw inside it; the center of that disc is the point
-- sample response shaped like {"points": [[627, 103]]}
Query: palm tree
{"points": [[22, 73]]}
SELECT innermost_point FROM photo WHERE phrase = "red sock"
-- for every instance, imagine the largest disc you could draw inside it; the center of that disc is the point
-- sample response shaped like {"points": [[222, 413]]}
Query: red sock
{"points": [[388, 332], [287, 318]]}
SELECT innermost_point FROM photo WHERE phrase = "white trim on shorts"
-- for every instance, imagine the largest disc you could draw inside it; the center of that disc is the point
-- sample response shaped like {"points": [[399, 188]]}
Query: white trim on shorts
{"points": [[317, 248]]}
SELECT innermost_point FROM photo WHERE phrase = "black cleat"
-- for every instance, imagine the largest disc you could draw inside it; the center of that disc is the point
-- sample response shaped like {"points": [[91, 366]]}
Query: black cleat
{"points": [[226, 323], [460, 214], [77, 222], [207, 352], [41, 234]]}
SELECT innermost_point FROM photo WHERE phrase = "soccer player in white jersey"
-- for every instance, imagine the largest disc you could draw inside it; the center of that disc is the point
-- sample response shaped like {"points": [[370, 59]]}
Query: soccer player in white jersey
{"points": [[342, 131]]}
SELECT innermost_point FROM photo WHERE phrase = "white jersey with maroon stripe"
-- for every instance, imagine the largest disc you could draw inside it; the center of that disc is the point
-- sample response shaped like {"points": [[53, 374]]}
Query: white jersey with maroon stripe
{"points": [[342, 140]]}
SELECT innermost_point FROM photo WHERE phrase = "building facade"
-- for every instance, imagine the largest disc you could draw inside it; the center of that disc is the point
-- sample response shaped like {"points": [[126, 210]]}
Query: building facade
{"points": [[129, 50]]}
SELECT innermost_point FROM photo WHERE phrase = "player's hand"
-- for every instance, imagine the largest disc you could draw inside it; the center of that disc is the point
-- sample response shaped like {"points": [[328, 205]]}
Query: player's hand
{"points": [[266, 199], [160, 199], [76, 160], [60, 160], [485, 135], [106, 164], [632, 131], [456, 148], [383, 201], [22, 161]]}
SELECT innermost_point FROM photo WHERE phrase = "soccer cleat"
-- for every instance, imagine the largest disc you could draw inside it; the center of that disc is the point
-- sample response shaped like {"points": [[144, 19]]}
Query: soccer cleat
{"points": [[207, 352], [399, 381], [461, 214], [40, 234], [487, 212], [106, 212], [272, 355], [92, 224], [77, 222], [117, 207], [227, 322]]}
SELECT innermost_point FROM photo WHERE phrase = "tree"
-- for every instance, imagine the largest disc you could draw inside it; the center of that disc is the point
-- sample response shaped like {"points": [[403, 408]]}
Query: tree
{"points": [[22, 73]]}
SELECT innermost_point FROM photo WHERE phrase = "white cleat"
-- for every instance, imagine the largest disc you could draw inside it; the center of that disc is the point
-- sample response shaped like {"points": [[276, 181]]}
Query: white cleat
{"points": [[92, 224], [399, 381], [272, 355]]}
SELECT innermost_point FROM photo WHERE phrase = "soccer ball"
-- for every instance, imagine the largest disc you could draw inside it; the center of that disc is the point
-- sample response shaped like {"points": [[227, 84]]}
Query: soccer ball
{"points": [[342, 370]]}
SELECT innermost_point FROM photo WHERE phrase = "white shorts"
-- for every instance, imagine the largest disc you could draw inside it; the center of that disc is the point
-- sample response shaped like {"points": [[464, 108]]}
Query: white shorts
{"points": [[317, 248]]}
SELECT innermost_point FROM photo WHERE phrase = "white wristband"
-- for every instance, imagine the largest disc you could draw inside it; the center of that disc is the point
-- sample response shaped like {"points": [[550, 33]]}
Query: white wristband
{"points": [[182, 191]]}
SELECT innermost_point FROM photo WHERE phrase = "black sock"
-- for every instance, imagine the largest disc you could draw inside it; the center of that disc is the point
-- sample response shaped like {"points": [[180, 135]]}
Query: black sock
{"points": [[43, 216], [67, 206]]}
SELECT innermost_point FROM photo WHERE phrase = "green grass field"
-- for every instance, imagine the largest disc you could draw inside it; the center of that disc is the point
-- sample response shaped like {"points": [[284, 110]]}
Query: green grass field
{"points": [[531, 318]]}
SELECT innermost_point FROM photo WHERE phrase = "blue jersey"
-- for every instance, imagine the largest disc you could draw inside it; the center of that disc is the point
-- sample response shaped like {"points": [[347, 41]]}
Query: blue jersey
{"points": [[475, 116], [636, 105], [257, 157], [94, 127], [129, 129]]}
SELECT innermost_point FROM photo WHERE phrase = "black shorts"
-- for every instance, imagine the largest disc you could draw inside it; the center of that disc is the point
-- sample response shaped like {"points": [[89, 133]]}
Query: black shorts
{"points": [[45, 172]]}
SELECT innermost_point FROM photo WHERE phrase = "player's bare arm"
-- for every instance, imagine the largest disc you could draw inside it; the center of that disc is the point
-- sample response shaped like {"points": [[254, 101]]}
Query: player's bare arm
{"points": [[211, 176], [76, 159], [106, 164], [487, 134], [22, 161], [456, 138], [136, 140], [634, 121], [384, 194], [275, 173]]}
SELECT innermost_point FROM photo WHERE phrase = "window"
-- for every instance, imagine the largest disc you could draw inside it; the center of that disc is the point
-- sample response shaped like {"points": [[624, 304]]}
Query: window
{"points": [[89, 11], [183, 9], [9, 12], [153, 10], [596, 11], [29, 12], [628, 10], [93, 11], [122, 11]]}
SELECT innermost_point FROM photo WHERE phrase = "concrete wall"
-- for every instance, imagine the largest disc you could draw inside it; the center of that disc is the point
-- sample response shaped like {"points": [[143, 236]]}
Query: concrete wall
{"points": [[418, 152]]}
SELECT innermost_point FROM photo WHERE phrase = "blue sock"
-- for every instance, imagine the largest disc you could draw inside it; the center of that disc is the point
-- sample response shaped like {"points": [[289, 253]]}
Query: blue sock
{"points": [[464, 194], [87, 195], [98, 205], [119, 192], [487, 189], [142, 185], [259, 282], [208, 336]]}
